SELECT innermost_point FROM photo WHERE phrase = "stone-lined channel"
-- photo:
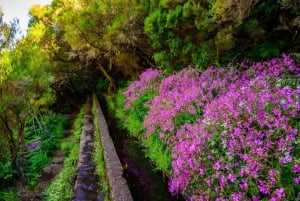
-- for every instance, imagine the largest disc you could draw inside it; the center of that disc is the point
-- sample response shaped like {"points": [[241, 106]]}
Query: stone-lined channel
{"points": [[129, 173], [145, 183], [86, 185], [118, 187]]}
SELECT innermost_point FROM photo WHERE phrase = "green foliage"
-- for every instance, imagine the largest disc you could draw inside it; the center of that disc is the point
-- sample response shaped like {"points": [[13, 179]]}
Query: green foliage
{"points": [[6, 172], [36, 162], [264, 50], [290, 80], [61, 188], [9, 195], [211, 32], [132, 119], [49, 129], [175, 34], [66, 147], [155, 149], [95, 35], [8, 31], [102, 85], [25, 92], [186, 117], [115, 105], [135, 116], [162, 59], [204, 55]]}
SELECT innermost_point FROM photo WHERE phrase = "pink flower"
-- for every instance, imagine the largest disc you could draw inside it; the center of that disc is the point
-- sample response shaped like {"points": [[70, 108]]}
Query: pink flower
{"points": [[232, 177], [296, 169], [263, 187], [296, 180], [217, 165], [280, 193], [237, 196]]}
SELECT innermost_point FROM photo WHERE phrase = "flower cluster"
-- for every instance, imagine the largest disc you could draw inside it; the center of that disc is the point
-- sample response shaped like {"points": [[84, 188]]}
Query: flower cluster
{"points": [[244, 139], [147, 80], [182, 97], [233, 135]]}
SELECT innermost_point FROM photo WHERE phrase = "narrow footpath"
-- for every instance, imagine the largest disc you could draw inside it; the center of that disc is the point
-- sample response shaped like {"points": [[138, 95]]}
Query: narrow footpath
{"points": [[87, 185], [49, 172]]}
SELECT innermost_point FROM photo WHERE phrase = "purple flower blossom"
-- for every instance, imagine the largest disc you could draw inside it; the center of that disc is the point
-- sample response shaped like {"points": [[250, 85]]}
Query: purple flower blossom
{"points": [[280, 193], [243, 185], [147, 81], [223, 183], [236, 196], [33, 145], [217, 165], [263, 187], [255, 198], [208, 182], [296, 168], [272, 174], [232, 177], [296, 180]]}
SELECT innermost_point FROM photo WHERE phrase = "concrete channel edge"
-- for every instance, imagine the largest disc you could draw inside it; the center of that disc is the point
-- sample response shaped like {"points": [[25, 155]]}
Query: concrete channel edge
{"points": [[119, 190]]}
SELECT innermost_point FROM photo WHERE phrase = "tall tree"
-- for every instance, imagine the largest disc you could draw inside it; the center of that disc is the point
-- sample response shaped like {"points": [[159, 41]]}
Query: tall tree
{"points": [[107, 35], [24, 90]]}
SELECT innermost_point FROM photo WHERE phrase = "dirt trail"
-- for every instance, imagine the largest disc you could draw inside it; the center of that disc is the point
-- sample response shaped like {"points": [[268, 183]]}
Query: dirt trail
{"points": [[49, 172]]}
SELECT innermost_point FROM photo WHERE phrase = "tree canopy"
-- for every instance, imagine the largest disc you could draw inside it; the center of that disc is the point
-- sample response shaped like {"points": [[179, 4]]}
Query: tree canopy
{"points": [[209, 32], [106, 35]]}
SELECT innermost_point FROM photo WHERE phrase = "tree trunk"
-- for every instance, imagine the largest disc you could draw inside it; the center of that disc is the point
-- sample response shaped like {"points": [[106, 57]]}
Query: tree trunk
{"points": [[11, 142], [112, 85], [21, 151], [16, 149]]}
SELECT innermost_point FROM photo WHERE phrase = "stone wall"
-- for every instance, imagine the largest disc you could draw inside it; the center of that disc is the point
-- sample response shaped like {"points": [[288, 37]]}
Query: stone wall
{"points": [[119, 190]]}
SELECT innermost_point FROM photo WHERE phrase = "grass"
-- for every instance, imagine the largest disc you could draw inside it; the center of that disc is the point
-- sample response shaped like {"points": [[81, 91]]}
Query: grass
{"points": [[61, 188], [9, 195], [155, 149], [99, 159]]}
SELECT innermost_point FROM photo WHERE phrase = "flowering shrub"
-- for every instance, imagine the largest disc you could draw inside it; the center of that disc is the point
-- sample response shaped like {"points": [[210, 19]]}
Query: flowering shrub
{"points": [[231, 135], [136, 97], [136, 107], [182, 97], [244, 147], [148, 81]]}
